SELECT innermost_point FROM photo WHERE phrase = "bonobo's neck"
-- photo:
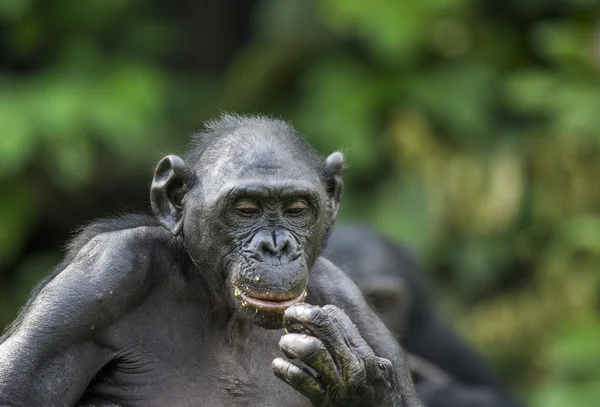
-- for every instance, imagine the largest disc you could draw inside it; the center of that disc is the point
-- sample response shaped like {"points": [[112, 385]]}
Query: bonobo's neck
{"points": [[240, 329]]}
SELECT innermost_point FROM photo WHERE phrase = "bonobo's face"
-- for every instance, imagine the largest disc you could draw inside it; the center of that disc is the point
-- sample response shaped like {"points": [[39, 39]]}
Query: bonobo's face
{"points": [[261, 232], [255, 221]]}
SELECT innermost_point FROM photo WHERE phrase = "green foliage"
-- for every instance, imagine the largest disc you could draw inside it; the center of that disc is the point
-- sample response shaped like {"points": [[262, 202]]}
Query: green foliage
{"points": [[471, 133]]}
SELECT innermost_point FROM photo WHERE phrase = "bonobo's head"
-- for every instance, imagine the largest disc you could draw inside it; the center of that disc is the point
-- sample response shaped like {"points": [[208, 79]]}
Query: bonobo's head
{"points": [[254, 205]]}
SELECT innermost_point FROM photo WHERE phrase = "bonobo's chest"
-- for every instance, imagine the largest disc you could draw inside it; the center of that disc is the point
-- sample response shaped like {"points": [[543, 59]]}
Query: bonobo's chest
{"points": [[188, 360], [242, 373]]}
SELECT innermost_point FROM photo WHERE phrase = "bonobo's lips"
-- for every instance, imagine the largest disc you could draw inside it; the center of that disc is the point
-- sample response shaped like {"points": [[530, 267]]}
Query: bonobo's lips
{"points": [[270, 305]]}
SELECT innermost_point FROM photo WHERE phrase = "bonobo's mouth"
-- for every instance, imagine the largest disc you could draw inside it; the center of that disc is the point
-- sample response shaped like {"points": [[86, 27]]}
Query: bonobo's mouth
{"points": [[270, 305]]}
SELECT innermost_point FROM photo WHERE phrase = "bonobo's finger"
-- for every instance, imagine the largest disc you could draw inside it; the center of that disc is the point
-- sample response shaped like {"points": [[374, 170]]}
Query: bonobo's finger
{"points": [[313, 353], [315, 321], [349, 331], [300, 379]]}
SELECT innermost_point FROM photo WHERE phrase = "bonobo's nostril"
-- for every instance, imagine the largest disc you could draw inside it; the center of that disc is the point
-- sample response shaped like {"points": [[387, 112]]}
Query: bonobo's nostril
{"points": [[277, 243], [267, 246]]}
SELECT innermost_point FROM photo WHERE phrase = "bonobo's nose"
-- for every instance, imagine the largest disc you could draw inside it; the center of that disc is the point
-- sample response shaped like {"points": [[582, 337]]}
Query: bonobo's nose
{"points": [[278, 244]]}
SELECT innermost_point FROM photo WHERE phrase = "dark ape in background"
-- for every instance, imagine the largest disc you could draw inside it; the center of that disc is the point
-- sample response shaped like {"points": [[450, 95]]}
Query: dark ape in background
{"points": [[394, 286], [188, 307]]}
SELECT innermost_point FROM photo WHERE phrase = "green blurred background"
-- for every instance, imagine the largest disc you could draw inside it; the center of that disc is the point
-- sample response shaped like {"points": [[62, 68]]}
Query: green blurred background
{"points": [[471, 129]]}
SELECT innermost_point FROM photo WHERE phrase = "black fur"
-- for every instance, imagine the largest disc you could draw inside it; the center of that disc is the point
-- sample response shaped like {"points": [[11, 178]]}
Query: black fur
{"points": [[202, 304], [395, 286]]}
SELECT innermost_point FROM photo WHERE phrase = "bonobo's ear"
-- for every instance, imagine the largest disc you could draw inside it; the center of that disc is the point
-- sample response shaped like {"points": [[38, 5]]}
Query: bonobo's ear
{"points": [[171, 179], [334, 164]]}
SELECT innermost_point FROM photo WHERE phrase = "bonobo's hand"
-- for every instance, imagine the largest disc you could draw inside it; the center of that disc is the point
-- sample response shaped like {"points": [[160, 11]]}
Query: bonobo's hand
{"points": [[330, 363]]}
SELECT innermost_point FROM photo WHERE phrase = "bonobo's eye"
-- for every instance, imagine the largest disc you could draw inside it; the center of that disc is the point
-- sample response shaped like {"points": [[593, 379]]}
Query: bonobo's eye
{"points": [[297, 208], [247, 207]]}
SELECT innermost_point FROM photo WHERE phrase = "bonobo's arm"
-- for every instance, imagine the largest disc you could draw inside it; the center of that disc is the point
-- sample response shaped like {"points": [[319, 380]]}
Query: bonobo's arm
{"points": [[60, 341], [340, 353]]}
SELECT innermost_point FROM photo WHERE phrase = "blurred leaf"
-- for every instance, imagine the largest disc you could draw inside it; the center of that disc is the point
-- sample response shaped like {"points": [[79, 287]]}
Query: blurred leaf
{"points": [[339, 101], [402, 213], [71, 166], [531, 90], [14, 9], [574, 361], [391, 28], [575, 354], [283, 20], [123, 108], [16, 138], [583, 233], [458, 96], [478, 256], [564, 41], [17, 214], [567, 105], [560, 395]]}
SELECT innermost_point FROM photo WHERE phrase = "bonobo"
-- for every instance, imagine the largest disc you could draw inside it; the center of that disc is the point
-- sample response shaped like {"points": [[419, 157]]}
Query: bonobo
{"points": [[202, 303], [394, 286]]}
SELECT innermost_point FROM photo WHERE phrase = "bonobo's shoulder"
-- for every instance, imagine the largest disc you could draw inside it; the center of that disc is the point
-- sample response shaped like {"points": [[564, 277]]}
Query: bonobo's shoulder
{"points": [[123, 232], [130, 243], [109, 265]]}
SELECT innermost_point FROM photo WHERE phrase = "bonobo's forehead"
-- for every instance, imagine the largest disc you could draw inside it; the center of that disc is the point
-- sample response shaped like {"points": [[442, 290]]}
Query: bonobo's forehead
{"points": [[252, 154]]}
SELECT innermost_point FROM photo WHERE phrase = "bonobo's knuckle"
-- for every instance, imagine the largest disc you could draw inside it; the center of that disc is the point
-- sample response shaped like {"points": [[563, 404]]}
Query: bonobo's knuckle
{"points": [[384, 365], [380, 368], [332, 309], [309, 313], [313, 315], [313, 353], [298, 318], [356, 371], [338, 315]]}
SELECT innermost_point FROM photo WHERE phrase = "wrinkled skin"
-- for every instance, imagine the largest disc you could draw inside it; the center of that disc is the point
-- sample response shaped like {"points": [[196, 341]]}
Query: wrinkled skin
{"points": [[449, 373], [189, 307], [345, 370]]}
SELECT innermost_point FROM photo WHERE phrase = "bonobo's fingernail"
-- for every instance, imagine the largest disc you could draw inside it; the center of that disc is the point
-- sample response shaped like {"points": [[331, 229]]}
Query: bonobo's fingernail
{"points": [[304, 308], [282, 341], [310, 311], [293, 342], [295, 309], [277, 364]]}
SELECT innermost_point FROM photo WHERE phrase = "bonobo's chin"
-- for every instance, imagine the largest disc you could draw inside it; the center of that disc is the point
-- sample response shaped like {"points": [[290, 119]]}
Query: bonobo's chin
{"points": [[262, 312]]}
